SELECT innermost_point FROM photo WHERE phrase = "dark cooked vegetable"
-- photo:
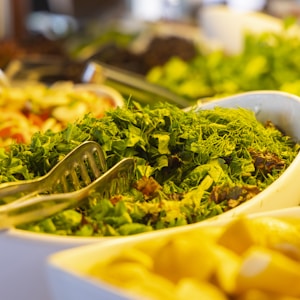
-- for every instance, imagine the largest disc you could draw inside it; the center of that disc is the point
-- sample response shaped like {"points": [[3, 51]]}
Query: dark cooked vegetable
{"points": [[158, 52], [189, 166]]}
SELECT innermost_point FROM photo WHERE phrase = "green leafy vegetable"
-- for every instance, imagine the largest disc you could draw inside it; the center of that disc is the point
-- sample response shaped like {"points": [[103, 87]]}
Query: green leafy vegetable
{"points": [[190, 166], [268, 61]]}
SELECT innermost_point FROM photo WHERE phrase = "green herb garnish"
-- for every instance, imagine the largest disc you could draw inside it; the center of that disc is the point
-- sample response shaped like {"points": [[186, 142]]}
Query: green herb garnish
{"points": [[190, 166]]}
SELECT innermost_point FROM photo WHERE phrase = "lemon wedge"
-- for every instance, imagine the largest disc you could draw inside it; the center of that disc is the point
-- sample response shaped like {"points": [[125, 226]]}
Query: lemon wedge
{"points": [[269, 232], [270, 271], [189, 288], [227, 267], [184, 257], [131, 255], [137, 280]]}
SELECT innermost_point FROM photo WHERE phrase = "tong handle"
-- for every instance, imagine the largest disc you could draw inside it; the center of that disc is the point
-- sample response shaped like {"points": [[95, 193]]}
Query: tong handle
{"points": [[115, 181], [131, 84]]}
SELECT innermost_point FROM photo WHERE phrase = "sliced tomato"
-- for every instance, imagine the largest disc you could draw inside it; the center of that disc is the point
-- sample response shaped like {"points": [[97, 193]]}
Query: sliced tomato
{"points": [[19, 137], [35, 119], [7, 132]]}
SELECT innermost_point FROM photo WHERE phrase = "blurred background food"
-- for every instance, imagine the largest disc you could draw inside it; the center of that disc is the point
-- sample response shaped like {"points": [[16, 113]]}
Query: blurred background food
{"points": [[196, 49], [36, 107]]}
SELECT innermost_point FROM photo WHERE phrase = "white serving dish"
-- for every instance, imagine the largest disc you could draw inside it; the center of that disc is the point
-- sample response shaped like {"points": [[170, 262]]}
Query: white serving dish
{"points": [[67, 270], [23, 254], [226, 26]]}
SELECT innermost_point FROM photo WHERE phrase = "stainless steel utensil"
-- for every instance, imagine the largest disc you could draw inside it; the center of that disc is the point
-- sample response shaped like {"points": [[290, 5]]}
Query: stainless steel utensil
{"points": [[130, 84], [4, 81], [114, 181], [127, 83], [79, 168]]}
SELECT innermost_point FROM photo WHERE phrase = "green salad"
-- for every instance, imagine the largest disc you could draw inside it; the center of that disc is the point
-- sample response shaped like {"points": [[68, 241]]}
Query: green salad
{"points": [[268, 61], [190, 166]]}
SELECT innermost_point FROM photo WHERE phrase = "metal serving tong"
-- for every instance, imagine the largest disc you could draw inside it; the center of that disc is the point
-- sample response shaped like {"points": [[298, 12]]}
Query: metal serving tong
{"points": [[82, 171], [130, 84]]}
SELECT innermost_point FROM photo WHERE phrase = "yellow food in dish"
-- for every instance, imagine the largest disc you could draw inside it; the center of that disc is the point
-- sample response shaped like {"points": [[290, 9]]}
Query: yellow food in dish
{"points": [[248, 258], [270, 232], [31, 107]]}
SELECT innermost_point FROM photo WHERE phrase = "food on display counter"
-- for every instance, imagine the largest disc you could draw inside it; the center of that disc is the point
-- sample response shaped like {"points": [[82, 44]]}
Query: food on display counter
{"points": [[268, 61], [136, 51], [31, 107], [187, 64], [245, 258], [157, 53], [35, 46], [190, 166], [137, 46], [193, 67]]}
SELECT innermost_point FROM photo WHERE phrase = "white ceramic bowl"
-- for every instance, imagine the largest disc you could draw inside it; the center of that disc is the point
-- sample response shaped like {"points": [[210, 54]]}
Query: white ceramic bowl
{"points": [[281, 109], [67, 271], [226, 27], [23, 254]]}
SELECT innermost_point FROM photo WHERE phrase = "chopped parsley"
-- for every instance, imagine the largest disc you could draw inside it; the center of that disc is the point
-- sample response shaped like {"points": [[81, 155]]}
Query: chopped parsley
{"points": [[190, 166]]}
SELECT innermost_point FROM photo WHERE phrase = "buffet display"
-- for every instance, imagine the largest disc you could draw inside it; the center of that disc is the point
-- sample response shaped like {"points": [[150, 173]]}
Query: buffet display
{"points": [[157, 206], [215, 139]]}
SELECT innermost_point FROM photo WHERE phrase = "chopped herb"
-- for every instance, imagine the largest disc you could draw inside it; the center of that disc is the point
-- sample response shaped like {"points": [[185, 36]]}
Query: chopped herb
{"points": [[190, 166]]}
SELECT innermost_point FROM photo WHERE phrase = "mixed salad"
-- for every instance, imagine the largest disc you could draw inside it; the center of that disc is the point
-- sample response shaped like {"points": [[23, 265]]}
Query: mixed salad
{"points": [[30, 107], [190, 166]]}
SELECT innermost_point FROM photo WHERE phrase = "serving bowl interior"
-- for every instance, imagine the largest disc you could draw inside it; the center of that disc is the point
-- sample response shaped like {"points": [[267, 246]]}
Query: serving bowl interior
{"points": [[282, 109], [279, 107]]}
